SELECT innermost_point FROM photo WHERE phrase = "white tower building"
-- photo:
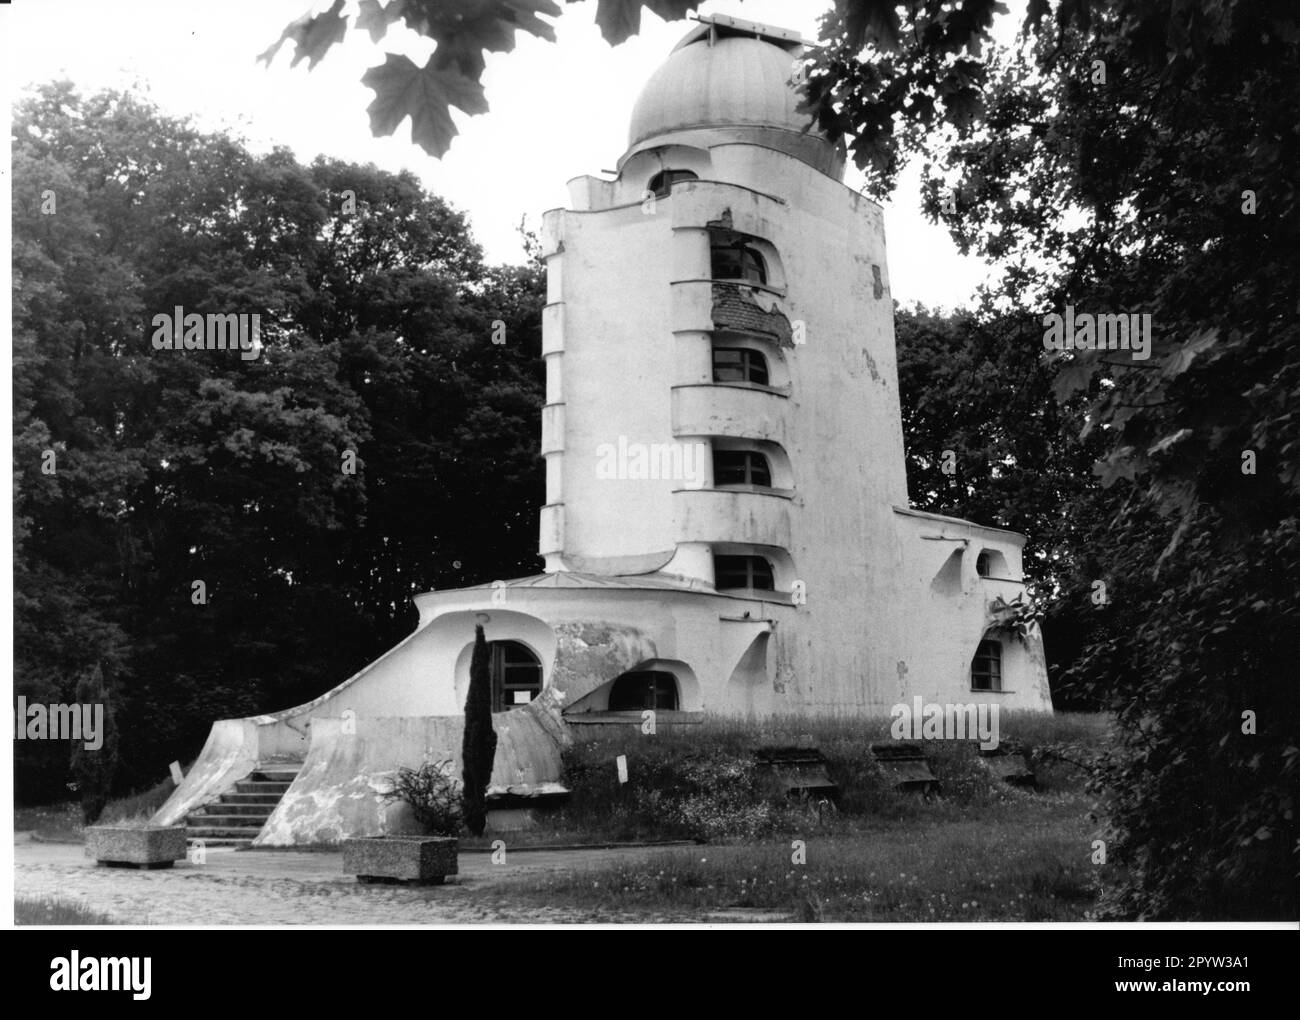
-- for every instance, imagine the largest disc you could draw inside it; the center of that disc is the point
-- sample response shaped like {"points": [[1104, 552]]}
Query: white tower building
{"points": [[726, 528]]}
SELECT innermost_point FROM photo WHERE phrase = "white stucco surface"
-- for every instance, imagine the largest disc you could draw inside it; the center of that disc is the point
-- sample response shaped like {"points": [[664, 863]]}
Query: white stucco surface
{"points": [[874, 603]]}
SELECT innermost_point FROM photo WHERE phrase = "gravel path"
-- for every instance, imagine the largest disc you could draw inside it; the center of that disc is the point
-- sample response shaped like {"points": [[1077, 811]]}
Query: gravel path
{"points": [[286, 887]]}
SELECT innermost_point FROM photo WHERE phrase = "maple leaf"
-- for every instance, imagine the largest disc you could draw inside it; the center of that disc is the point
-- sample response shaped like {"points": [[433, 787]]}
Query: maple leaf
{"points": [[1180, 360], [621, 19], [425, 94], [464, 29], [1074, 375], [1114, 466], [312, 36], [525, 16], [375, 18]]}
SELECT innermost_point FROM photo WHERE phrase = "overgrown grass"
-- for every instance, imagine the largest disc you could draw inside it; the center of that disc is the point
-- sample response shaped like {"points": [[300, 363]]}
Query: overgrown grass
{"points": [[48, 910], [1007, 864], [979, 851], [704, 783], [141, 805], [62, 823], [55, 823]]}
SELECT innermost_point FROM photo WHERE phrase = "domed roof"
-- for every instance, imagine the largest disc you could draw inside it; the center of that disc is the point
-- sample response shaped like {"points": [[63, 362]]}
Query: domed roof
{"points": [[713, 80]]}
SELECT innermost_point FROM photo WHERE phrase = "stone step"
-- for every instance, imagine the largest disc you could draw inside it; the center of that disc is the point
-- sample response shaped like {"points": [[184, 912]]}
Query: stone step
{"points": [[274, 775], [238, 815], [260, 786], [238, 808], [207, 833], [250, 799], [202, 818]]}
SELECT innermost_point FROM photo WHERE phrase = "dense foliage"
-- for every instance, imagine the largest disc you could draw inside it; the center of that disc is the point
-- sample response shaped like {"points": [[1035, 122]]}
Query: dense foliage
{"points": [[1137, 156], [1130, 157], [312, 490]]}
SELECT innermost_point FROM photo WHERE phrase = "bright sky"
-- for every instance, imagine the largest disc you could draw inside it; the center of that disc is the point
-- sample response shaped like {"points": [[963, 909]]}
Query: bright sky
{"points": [[557, 110]]}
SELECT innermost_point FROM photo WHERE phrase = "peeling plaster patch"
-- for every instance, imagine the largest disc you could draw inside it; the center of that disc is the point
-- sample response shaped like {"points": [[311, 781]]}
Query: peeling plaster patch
{"points": [[871, 365], [877, 287], [589, 654], [784, 674], [547, 711], [723, 222], [735, 306]]}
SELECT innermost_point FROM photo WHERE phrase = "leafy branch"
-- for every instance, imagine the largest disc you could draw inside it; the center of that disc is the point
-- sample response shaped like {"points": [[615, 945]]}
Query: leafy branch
{"points": [[463, 32], [1020, 617]]}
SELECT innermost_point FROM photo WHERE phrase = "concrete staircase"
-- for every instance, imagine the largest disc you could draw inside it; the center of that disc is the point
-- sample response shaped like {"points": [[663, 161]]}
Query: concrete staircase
{"points": [[238, 815]]}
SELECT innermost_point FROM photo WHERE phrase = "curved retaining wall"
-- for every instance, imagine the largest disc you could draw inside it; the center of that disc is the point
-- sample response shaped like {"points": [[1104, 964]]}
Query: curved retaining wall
{"points": [[338, 791], [230, 754]]}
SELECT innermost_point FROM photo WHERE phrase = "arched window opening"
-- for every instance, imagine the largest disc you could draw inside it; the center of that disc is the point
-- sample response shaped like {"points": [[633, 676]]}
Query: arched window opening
{"points": [[516, 675], [986, 667], [662, 182], [738, 261], [642, 689]]}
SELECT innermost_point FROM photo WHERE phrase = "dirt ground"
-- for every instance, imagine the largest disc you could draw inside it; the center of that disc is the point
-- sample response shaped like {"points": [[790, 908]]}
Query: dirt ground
{"points": [[286, 887]]}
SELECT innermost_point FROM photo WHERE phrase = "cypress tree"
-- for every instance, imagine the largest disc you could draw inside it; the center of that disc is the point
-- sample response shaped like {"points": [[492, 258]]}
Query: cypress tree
{"points": [[479, 747], [94, 769]]}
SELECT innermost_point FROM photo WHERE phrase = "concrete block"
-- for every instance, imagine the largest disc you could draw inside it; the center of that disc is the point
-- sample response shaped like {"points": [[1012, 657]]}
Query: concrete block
{"points": [[421, 859], [158, 846]]}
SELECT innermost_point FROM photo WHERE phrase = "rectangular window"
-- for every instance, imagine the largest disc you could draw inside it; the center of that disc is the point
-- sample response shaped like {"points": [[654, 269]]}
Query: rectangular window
{"points": [[740, 467], [750, 572], [739, 364]]}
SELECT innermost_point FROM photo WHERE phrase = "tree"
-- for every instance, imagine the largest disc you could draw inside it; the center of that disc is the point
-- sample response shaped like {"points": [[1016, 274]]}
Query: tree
{"points": [[479, 745], [93, 768], [304, 489], [1116, 163]]}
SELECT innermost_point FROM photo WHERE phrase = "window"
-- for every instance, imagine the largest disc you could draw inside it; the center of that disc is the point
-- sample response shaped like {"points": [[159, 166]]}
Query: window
{"points": [[740, 467], [991, 563], [634, 692], [753, 572], [662, 182], [739, 364], [986, 667], [738, 262], [516, 675]]}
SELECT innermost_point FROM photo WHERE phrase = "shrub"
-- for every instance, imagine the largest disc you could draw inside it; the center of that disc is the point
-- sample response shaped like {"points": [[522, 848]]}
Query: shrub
{"points": [[433, 794]]}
